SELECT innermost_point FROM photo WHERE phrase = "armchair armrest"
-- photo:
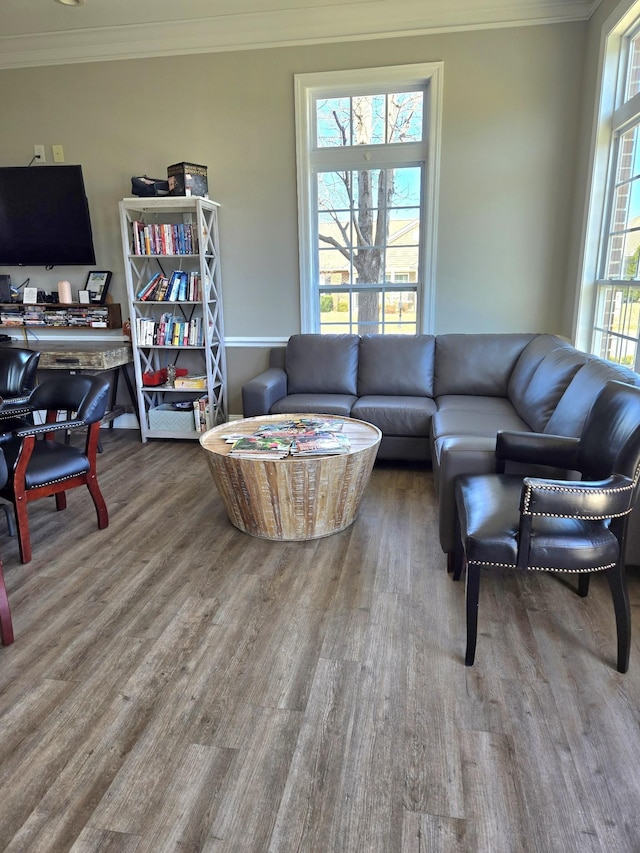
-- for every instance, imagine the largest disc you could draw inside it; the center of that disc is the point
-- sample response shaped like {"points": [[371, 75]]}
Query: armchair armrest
{"points": [[16, 401], [43, 429], [558, 451], [596, 499], [14, 407], [260, 393]]}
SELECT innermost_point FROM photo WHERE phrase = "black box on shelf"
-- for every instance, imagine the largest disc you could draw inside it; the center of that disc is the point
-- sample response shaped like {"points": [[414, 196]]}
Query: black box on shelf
{"points": [[188, 179]]}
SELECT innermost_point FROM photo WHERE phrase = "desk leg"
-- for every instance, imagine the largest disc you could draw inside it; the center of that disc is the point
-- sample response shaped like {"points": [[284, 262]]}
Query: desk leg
{"points": [[114, 393], [132, 393]]}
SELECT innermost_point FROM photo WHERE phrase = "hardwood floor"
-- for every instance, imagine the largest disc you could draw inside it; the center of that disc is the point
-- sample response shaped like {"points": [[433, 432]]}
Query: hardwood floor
{"points": [[177, 685]]}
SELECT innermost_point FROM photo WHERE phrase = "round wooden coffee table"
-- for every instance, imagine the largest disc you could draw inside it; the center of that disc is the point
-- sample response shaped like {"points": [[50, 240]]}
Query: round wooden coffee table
{"points": [[294, 498]]}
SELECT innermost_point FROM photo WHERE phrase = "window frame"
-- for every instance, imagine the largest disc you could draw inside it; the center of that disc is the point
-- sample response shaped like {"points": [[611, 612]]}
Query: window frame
{"points": [[613, 117], [311, 159]]}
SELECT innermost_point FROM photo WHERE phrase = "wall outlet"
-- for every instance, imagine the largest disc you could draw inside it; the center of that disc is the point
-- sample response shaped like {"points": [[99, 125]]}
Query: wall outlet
{"points": [[58, 153], [38, 153]]}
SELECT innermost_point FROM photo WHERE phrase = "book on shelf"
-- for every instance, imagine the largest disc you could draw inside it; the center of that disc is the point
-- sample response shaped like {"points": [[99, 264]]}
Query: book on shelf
{"points": [[174, 286], [190, 383], [181, 286], [168, 330], [150, 292], [163, 239], [201, 414]]}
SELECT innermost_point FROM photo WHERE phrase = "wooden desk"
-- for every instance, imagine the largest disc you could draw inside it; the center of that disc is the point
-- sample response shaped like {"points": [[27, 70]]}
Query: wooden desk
{"points": [[87, 357]]}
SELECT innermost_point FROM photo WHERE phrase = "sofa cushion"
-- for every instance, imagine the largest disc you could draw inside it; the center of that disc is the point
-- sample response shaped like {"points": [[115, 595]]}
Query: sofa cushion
{"points": [[400, 365], [574, 405], [459, 422], [396, 414], [529, 360], [535, 402], [322, 364], [476, 364], [321, 404], [456, 402]]}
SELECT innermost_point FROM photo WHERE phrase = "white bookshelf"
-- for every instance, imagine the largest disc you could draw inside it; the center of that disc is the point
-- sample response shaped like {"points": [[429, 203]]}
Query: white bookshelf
{"points": [[161, 235]]}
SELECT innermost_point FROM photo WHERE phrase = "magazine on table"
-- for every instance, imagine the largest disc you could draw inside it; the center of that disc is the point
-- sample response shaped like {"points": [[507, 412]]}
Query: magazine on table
{"points": [[300, 426], [319, 443], [260, 447]]}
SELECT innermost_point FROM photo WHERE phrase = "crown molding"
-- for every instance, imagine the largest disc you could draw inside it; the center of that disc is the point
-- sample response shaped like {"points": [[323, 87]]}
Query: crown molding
{"points": [[350, 21]]}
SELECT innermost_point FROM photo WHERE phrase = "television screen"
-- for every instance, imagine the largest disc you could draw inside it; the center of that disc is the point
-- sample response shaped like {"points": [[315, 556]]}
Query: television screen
{"points": [[44, 217]]}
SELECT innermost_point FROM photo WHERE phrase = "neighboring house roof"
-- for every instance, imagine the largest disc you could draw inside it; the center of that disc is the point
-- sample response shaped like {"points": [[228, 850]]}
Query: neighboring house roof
{"points": [[402, 248]]}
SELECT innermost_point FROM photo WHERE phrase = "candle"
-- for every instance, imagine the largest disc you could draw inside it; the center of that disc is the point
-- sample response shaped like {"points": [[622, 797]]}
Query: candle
{"points": [[64, 292]]}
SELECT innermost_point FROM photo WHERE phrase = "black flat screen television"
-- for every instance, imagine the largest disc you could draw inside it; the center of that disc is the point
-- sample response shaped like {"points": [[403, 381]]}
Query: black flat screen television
{"points": [[44, 217]]}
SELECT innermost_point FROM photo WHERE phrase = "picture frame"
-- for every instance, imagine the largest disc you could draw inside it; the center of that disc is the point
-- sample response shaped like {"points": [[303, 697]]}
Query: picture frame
{"points": [[30, 295], [98, 285]]}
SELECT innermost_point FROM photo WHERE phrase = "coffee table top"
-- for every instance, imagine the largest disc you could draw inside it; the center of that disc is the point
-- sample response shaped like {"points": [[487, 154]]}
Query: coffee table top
{"points": [[361, 434]]}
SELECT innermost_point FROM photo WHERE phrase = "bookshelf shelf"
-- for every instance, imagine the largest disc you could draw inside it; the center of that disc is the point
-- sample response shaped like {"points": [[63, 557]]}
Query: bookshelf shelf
{"points": [[177, 296]]}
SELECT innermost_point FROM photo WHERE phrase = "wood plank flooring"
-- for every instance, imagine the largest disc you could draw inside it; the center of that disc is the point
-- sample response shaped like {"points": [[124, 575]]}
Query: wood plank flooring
{"points": [[177, 685]]}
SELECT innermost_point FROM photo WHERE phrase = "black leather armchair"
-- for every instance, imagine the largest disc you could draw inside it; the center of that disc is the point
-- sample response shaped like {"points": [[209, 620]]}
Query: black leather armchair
{"points": [[17, 371], [40, 466], [537, 524], [17, 380]]}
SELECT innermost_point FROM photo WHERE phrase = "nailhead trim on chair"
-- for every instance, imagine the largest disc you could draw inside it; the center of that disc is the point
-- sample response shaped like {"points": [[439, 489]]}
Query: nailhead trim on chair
{"points": [[58, 480], [51, 428], [542, 568], [579, 517], [567, 489]]}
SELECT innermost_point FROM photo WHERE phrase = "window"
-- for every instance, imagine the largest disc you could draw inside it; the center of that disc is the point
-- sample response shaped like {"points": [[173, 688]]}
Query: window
{"points": [[367, 149], [616, 327]]}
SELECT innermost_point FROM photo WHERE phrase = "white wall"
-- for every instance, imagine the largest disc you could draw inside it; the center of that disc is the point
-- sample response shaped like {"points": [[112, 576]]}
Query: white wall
{"points": [[510, 134]]}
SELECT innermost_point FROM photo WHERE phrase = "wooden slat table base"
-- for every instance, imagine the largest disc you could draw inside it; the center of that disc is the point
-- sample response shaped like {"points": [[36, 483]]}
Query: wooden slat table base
{"points": [[292, 498]]}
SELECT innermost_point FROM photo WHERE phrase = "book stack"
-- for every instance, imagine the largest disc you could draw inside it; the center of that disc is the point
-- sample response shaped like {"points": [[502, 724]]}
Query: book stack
{"points": [[9, 317], [295, 437], [261, 447]]}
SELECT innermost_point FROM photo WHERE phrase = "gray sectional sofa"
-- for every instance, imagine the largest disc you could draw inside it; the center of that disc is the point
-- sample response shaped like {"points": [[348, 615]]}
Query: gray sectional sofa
{"points": [[440, 398]]}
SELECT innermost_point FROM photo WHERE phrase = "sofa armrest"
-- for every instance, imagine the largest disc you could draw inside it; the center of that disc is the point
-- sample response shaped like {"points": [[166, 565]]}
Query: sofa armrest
{"points": [[260, 393], [557, 451]]}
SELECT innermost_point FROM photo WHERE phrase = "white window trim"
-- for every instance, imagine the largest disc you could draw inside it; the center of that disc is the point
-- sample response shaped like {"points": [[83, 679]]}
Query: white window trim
{"points": [[309, 85], [600, 158]]}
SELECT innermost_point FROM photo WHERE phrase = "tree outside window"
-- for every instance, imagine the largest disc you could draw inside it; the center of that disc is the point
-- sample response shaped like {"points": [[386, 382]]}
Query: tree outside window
{"points": [[365, 159]]}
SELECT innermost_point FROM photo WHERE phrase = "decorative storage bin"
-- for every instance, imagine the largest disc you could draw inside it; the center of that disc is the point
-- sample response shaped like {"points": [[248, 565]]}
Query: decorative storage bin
{"points": [[188, 179], [166, 417]]}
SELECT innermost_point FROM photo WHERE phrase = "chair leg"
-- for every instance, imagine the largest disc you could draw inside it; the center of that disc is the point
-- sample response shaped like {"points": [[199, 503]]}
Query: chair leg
{"points": [[457, 558], [22, 523], [618, 585], [6, 625], [473, 594], [98, 501], [61, 500], [8, 511], [583, 584]]}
